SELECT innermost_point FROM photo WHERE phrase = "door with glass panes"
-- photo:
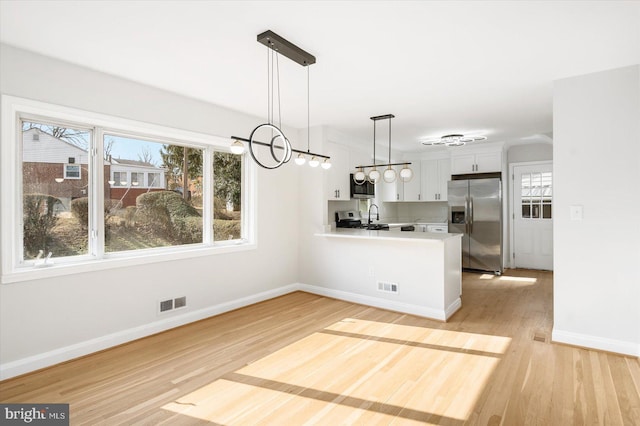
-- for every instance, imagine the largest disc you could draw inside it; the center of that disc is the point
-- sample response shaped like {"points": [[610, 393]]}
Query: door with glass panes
{"points": [[532, 216]]}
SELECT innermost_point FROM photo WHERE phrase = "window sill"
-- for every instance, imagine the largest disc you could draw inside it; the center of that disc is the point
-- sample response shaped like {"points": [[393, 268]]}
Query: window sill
{"points": [[121, 260]]}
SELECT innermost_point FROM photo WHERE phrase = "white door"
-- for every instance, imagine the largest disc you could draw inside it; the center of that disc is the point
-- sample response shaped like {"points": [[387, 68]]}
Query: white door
{"points": [[532, 216]]}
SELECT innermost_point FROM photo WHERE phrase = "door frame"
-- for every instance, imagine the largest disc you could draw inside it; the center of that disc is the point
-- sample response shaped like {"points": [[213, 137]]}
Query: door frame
{"points": [[511, 212]]}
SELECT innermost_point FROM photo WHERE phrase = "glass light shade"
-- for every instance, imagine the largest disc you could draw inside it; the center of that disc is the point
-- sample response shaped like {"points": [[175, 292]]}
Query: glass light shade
{"points": [[389, 175], [326, 164], [237, 147], [359, 177], [59, 180], [111, 182], [314, 162], [406, 174], [300, 159], [374, 175]]}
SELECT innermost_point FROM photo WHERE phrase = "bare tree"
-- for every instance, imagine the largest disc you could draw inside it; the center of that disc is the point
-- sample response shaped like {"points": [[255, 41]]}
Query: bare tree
{"points": [[108, 146], [73, 136], [146, 156]]}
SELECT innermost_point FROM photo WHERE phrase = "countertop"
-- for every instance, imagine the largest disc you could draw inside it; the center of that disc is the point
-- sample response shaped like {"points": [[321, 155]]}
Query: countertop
{"points": [[386, 235]]}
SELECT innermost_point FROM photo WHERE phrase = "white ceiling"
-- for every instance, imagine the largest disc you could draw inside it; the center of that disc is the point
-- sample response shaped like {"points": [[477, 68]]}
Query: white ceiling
{"points": [[474, 67]]}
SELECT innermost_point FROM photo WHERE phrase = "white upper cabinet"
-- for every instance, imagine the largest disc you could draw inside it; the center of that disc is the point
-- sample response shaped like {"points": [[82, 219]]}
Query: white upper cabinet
{"points": [[403, 191], [338, 187], [412, 190], [435, 177], [481, 162], [391, 191]]}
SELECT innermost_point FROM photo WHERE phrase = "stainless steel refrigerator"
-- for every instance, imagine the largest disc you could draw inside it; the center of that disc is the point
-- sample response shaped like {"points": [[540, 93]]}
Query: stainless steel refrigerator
{"points": [[475, 210]]}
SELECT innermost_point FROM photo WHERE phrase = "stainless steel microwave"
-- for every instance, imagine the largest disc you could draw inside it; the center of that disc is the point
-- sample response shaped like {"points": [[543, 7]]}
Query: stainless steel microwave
{"points": [[366, 190]]}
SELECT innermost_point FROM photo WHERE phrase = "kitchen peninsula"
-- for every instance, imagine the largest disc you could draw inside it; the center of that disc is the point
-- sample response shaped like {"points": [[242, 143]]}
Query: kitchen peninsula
{"points": [[413, 272]]}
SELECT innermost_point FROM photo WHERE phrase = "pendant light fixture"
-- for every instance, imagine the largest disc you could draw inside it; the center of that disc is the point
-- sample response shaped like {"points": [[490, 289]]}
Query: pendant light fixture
{"points": [[389, 175], [277, 45]]}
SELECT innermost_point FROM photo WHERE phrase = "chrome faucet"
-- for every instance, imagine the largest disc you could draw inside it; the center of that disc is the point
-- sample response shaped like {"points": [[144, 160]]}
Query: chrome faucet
{"points": [[377, 213]]}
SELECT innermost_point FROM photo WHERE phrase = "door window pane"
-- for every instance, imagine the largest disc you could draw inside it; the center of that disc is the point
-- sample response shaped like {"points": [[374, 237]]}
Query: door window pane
{"points": [[54, 193], [536, 195], [227, 196], [156, 212]]}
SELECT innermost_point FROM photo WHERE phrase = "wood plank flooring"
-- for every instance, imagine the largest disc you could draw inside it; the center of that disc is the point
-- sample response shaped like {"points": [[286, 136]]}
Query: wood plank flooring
{"points": [[306, 359]]}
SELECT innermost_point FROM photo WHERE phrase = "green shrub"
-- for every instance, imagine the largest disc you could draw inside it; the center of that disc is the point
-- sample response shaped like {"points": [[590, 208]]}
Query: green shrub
{"points": [[80, 210], [170, 216], [223, 229], [39, 219], [188, 230], [220, 209]]}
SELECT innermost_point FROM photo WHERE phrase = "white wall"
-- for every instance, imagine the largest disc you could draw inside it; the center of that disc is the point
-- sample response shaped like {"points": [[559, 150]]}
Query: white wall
{"points": [[530, 152], [49, 320], [596, 153]]}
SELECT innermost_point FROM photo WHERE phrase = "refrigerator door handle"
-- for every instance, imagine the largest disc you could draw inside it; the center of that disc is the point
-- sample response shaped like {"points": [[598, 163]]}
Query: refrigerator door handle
{"points": [[466, 215], [470, 215]]}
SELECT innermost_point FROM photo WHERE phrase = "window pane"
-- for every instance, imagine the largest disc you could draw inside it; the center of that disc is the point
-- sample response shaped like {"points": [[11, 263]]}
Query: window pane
{"points": [[151, 212], [55, 193], [227, 196], [535, 211], [526, 211], [546, 211]]}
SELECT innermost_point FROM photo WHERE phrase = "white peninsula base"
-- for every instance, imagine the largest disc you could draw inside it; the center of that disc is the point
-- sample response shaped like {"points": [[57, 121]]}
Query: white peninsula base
{"points": [[359, 265]]}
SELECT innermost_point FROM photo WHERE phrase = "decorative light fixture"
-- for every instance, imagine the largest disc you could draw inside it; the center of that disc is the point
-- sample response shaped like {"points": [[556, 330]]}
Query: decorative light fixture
{"points": [[389, 174], [278, 45], [452, 140]]}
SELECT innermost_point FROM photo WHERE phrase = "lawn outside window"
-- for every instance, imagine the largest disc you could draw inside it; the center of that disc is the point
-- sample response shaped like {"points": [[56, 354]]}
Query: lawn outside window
{"points": [[99, 192]]}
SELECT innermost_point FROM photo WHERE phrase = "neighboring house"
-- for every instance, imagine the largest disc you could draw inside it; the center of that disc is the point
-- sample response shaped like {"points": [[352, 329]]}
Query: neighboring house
{"points": [[130, 178], [55, 167]]}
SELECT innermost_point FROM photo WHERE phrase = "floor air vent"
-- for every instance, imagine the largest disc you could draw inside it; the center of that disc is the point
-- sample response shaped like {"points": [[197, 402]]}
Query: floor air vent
{"points": [[180, 302], [171, 304], [166, 305], [387, 287]]}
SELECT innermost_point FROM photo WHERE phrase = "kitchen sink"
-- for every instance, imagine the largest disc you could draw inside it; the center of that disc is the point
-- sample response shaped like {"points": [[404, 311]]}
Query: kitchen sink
{"points": [[376, 227]]}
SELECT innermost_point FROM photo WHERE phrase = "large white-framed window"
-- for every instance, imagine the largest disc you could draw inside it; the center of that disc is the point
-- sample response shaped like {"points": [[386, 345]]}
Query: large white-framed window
{"points": [[118, 206]]}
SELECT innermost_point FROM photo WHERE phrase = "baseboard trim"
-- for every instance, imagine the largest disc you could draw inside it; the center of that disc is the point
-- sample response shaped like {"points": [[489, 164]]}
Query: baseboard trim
{"points": [[453, 308], [56, 356], [377, 302], [595, 342]]}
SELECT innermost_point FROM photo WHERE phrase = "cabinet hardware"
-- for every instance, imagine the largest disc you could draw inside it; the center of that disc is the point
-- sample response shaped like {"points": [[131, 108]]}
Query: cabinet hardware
{"points": [[397, 197]]}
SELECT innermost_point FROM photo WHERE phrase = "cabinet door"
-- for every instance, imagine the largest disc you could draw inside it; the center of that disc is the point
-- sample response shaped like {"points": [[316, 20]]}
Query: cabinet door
{"points": [[461, 164], [489, 162], [412, 190], [338, 175], [430, 180], [391, 191], [444, 176]]}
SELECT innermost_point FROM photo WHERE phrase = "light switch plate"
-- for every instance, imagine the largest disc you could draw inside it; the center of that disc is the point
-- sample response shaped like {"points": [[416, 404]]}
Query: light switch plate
{"points": [[576, 212]]}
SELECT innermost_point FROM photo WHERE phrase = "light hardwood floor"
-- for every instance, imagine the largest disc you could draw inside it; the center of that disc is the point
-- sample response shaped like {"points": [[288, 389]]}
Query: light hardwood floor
{"points": [[306, 359]]}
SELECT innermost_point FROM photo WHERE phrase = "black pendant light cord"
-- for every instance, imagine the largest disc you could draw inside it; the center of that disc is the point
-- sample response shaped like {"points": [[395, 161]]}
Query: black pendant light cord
{"points": [[389, 140], [374, 143], [308, 131]]}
